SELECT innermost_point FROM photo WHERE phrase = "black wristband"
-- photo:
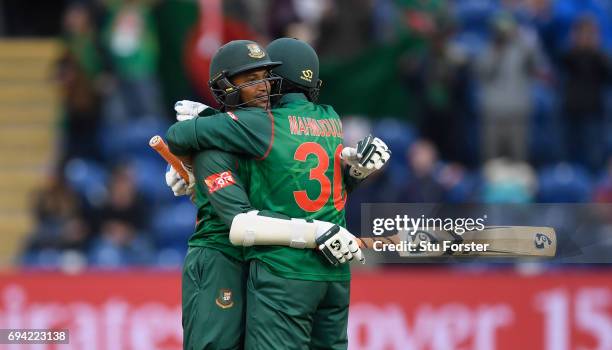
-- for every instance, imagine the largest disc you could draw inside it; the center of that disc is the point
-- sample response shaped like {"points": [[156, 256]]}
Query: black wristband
{"points": [[329, 233]]}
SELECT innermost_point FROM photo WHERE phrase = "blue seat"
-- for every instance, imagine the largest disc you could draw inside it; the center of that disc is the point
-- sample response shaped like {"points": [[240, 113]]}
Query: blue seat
{"points": [[119, 140], [563, 183], [150, 179], [545, 128], [42, 259], [474, 15], [398, 135], [173, 224], [171, 257], [88, 178], [465, 190]]}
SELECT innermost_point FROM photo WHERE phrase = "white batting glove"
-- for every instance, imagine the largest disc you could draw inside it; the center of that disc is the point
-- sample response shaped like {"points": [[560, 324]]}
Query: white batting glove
{"points": [[370, 155], [186, 109], [337, 244], [177, 183]]}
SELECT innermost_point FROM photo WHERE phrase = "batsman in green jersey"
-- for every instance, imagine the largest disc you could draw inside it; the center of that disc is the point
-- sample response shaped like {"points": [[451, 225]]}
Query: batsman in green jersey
{"points": [[214, 272], [310, 137], [213, 268]]}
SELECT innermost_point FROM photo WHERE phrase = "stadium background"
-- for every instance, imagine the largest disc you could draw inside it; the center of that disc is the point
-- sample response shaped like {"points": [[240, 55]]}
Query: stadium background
{"points": [[92, 240]]}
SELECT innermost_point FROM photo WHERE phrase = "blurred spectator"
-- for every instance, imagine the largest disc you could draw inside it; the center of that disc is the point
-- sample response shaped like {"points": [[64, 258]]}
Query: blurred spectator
{"points": [[121, 224], [587, 71], [423, 185], [386, 20], [120, 245], [508, 182], [131, 40], [78, 72], [505, 71], [55, 202], [441, 82], [550, 29], [420, 15], [297, 19], [123, 203], [59, 225], [345, 27], [458, 183], [355, 128]]}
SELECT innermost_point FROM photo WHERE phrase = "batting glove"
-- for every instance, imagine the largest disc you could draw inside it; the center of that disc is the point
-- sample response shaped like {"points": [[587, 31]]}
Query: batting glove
{"points": [[178, 185], [370, 155], [336, 244], [186, 109]]}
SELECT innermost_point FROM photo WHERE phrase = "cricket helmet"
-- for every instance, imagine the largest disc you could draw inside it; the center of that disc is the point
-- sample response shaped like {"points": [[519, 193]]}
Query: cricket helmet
{"points": [[300, 65], [233, 58]]}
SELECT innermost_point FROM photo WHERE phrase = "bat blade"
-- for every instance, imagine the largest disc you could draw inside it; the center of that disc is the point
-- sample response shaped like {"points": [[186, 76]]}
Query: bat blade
{"points": [[516, 240], [499, 240]]}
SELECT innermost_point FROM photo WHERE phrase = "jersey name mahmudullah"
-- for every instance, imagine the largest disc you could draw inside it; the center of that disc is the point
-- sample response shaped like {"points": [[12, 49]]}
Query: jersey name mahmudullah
{"points": [[315, 127]]}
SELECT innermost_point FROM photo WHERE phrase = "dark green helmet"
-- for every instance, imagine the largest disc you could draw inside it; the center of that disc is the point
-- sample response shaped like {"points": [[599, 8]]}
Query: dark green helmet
{"points": [[300, 64], [233, 58]]}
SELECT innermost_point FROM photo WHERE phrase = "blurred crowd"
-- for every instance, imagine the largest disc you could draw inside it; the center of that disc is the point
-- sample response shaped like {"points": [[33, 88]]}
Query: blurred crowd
{"points": [[509, 103]]}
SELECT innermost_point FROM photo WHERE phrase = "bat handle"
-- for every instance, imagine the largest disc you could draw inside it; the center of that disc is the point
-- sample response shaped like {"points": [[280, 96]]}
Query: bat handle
{"points": [[158, 144], [361, 244]]}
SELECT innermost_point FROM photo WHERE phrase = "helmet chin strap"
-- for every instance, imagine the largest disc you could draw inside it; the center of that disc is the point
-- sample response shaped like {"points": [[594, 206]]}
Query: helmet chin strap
{"points": [[226, 93]]}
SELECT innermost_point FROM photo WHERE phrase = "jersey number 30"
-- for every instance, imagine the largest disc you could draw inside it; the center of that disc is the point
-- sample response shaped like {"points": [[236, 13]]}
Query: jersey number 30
{"points": [[318, 174]]}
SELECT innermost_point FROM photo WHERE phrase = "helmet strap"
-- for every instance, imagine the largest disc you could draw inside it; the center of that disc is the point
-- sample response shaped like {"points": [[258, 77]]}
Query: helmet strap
{"points": [[226, 93]]}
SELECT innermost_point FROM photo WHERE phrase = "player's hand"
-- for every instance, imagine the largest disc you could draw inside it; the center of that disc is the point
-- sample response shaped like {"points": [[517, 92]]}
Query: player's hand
{"points": [[370, 155], [178, 185], [186, 109], [336, 244]]}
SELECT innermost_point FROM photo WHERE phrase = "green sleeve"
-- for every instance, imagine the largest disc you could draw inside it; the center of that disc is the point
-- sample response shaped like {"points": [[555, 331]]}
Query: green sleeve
{"points": [[217, 176], [247, 132], [208, 112]]}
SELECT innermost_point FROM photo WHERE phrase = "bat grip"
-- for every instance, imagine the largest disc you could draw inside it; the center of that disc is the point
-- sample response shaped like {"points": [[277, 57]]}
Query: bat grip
{"points": [[158, 144], [361, 244]]}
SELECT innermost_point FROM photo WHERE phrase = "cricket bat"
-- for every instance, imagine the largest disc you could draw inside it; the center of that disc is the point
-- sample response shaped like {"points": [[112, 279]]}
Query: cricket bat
{"points": [[497, 241], [158, 144], [501, 240]]}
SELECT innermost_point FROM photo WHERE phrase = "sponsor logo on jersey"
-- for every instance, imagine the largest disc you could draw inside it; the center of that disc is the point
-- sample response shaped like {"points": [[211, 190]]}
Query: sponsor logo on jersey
{"points": [[307, 75], [218, 181], [224, 300], [255, 51]]}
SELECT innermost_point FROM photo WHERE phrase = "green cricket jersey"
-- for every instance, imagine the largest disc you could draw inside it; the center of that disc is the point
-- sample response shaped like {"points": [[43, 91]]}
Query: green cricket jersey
{"points": [[219, 196], [295, 171]]}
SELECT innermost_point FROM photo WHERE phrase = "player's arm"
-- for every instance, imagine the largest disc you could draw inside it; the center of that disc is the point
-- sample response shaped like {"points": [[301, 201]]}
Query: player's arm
{"points": [[267, 228], [247, 132], [216, 175]]}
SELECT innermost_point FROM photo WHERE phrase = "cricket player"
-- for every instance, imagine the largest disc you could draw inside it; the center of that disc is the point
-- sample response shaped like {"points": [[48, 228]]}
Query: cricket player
{"points": [[214, 271], [213, 268], [297, 173]]}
